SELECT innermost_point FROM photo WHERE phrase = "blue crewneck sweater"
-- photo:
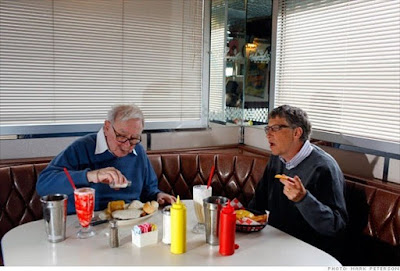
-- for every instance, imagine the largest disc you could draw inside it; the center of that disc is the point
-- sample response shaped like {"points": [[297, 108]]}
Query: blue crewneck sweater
{"points": [[80, 157]]}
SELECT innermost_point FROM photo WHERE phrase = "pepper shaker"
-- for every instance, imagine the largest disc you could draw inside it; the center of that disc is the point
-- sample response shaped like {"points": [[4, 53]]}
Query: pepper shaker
{"points": [[114, 238]]}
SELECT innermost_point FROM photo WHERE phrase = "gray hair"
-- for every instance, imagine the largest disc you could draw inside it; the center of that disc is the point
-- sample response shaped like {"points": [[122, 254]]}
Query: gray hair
{"points": [[125, 112], [295, 117]]}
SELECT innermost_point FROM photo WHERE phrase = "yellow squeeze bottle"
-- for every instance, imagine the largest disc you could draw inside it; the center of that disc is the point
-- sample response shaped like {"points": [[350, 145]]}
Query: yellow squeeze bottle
{"points": [[178, 227]]}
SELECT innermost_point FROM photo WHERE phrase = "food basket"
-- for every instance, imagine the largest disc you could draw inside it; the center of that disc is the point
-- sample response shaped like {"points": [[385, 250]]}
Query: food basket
{"points": [[252, 228]]}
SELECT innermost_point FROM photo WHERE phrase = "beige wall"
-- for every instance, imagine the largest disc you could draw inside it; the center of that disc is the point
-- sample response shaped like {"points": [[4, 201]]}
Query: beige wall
{"points": [[217, 135], [33, 147], [46, 147]]}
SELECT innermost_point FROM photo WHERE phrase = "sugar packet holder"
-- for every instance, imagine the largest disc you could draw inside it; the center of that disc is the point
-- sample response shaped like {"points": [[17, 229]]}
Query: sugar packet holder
{"points": [[144, 234]]}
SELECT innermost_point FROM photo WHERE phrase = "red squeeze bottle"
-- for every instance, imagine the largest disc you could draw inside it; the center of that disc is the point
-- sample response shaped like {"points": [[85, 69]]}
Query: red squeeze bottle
{"points": [[227, 228]]}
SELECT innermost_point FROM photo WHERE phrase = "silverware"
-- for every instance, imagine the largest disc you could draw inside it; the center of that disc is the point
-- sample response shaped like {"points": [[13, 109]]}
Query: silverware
{"points": [[98, 222]]}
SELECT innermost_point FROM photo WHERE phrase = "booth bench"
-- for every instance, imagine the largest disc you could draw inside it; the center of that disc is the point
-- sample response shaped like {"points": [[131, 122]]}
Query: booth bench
{"points": [[374, 208]]}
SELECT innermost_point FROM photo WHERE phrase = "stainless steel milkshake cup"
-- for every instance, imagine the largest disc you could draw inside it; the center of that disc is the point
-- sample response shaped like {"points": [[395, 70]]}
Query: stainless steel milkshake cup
{"points": [[55, 216], [212, 208]]}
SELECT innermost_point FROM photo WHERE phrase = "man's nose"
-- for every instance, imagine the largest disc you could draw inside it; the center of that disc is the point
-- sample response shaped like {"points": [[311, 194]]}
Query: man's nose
{"points": [[126, 144]]}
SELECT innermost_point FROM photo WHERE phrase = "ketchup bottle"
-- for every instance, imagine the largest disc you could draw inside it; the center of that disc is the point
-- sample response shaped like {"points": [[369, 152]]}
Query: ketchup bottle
{"points": [[227, 229]]}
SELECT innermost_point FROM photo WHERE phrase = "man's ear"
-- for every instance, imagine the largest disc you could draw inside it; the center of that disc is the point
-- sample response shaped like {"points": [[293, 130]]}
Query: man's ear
{"points": [[298, 132], [107, 124]]}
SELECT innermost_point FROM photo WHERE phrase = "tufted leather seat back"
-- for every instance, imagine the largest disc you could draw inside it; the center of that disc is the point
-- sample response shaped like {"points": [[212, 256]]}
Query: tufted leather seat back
{"points": [[235, 176], [377, 211], [18, 198], [374, 225], [19, 202]]}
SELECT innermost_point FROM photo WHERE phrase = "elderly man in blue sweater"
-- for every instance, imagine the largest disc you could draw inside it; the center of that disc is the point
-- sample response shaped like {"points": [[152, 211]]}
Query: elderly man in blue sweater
{"points": [[112, 156], [308, 202]]}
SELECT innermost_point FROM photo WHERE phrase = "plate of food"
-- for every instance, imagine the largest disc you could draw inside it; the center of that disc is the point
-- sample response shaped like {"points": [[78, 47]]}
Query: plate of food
{"points": [[129, 213]]}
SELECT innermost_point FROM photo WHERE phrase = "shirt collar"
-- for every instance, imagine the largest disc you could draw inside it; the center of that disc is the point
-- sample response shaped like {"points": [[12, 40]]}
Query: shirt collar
{"points": [[101, 143], [304, 152]]}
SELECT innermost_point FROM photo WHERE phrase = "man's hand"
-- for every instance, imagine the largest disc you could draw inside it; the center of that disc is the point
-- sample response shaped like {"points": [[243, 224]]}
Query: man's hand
{"points": [[106, 175], [162, 198], [293, 188]]}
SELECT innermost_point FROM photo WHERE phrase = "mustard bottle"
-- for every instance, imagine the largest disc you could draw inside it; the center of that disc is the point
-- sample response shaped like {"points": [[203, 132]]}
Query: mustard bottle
{"points": [[178, 227]]}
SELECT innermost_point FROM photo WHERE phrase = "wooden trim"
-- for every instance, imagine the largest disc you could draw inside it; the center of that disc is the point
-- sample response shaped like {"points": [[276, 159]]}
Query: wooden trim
{"points": [[195, 150], [393, 187], [24, 161], [232, 148]]}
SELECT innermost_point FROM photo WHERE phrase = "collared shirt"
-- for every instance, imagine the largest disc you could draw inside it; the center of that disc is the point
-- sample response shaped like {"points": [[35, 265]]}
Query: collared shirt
{"points": [[304, 152], [101, 143]]}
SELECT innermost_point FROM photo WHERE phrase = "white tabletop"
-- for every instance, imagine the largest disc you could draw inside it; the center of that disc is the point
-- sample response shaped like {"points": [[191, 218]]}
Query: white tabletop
{"points": [[27, 245]]}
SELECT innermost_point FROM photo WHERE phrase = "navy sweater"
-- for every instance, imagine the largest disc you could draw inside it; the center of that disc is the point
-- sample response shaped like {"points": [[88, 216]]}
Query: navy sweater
{"points": [[321, 215], [80, 157]]}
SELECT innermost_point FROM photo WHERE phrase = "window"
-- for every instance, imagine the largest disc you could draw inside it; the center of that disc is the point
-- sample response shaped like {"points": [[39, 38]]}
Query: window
{"points": [[340, 61], [63, 63]]}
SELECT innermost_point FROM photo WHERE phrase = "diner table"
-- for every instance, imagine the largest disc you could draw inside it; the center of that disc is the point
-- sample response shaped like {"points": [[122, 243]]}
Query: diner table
{"points": [[27, 245]]}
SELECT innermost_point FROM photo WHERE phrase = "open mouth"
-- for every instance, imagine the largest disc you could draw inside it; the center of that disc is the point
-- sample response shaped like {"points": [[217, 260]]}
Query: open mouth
{"points": [[271, 144]]}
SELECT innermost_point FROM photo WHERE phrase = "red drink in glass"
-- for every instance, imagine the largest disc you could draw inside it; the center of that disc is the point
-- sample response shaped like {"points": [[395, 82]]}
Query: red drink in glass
{"points": [[84, 205]]}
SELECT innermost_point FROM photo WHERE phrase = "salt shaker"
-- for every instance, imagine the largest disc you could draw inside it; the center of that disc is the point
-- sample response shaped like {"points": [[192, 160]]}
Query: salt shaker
{"points": [[166, 239], [114, 239]]}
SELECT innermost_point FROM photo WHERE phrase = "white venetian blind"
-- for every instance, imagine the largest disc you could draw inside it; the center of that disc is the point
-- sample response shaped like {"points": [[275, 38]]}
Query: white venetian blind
{"points": [[68, 61], [217, 59], [339, 60]]}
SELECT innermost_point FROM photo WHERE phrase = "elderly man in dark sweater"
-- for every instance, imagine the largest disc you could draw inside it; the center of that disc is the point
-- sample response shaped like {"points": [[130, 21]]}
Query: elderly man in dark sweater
{"points": [[308, 202]]}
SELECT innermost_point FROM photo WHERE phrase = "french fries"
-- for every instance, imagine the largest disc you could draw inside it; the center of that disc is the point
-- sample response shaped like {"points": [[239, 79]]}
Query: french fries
{"points": [[243, 213], [260, 218], [283, 176], [240, 214]]}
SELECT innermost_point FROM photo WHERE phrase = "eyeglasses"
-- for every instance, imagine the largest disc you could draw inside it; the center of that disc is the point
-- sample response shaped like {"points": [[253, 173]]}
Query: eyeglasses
{"points": [[275, 128], [122, 139]]}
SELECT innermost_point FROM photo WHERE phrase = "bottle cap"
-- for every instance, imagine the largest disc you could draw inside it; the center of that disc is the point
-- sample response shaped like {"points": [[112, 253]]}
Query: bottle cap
{"points": [[228, 209], [113, 223], [178, 204], [167, 210]]}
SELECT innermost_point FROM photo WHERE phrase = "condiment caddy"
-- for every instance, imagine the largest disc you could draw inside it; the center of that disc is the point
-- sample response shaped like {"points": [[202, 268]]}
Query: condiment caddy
{"points": [[144, 234]]}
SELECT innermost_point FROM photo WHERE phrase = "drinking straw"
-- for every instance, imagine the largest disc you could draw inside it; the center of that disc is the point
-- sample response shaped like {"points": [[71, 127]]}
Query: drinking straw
{"points": [[211, 175], [69, 178]]}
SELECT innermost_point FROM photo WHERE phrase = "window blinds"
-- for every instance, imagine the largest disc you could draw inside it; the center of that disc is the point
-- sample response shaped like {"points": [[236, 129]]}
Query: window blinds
{"points": [[65, 62], [340, 61], [217, 60]]}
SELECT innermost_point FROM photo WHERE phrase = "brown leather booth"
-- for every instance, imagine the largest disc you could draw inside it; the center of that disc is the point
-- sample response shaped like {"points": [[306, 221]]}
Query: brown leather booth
{"points": [[235, 176], [374, 210]]}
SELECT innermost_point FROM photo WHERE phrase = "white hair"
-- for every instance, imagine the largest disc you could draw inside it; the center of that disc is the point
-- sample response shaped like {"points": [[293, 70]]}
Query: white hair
{"points": [[125, 112]]}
